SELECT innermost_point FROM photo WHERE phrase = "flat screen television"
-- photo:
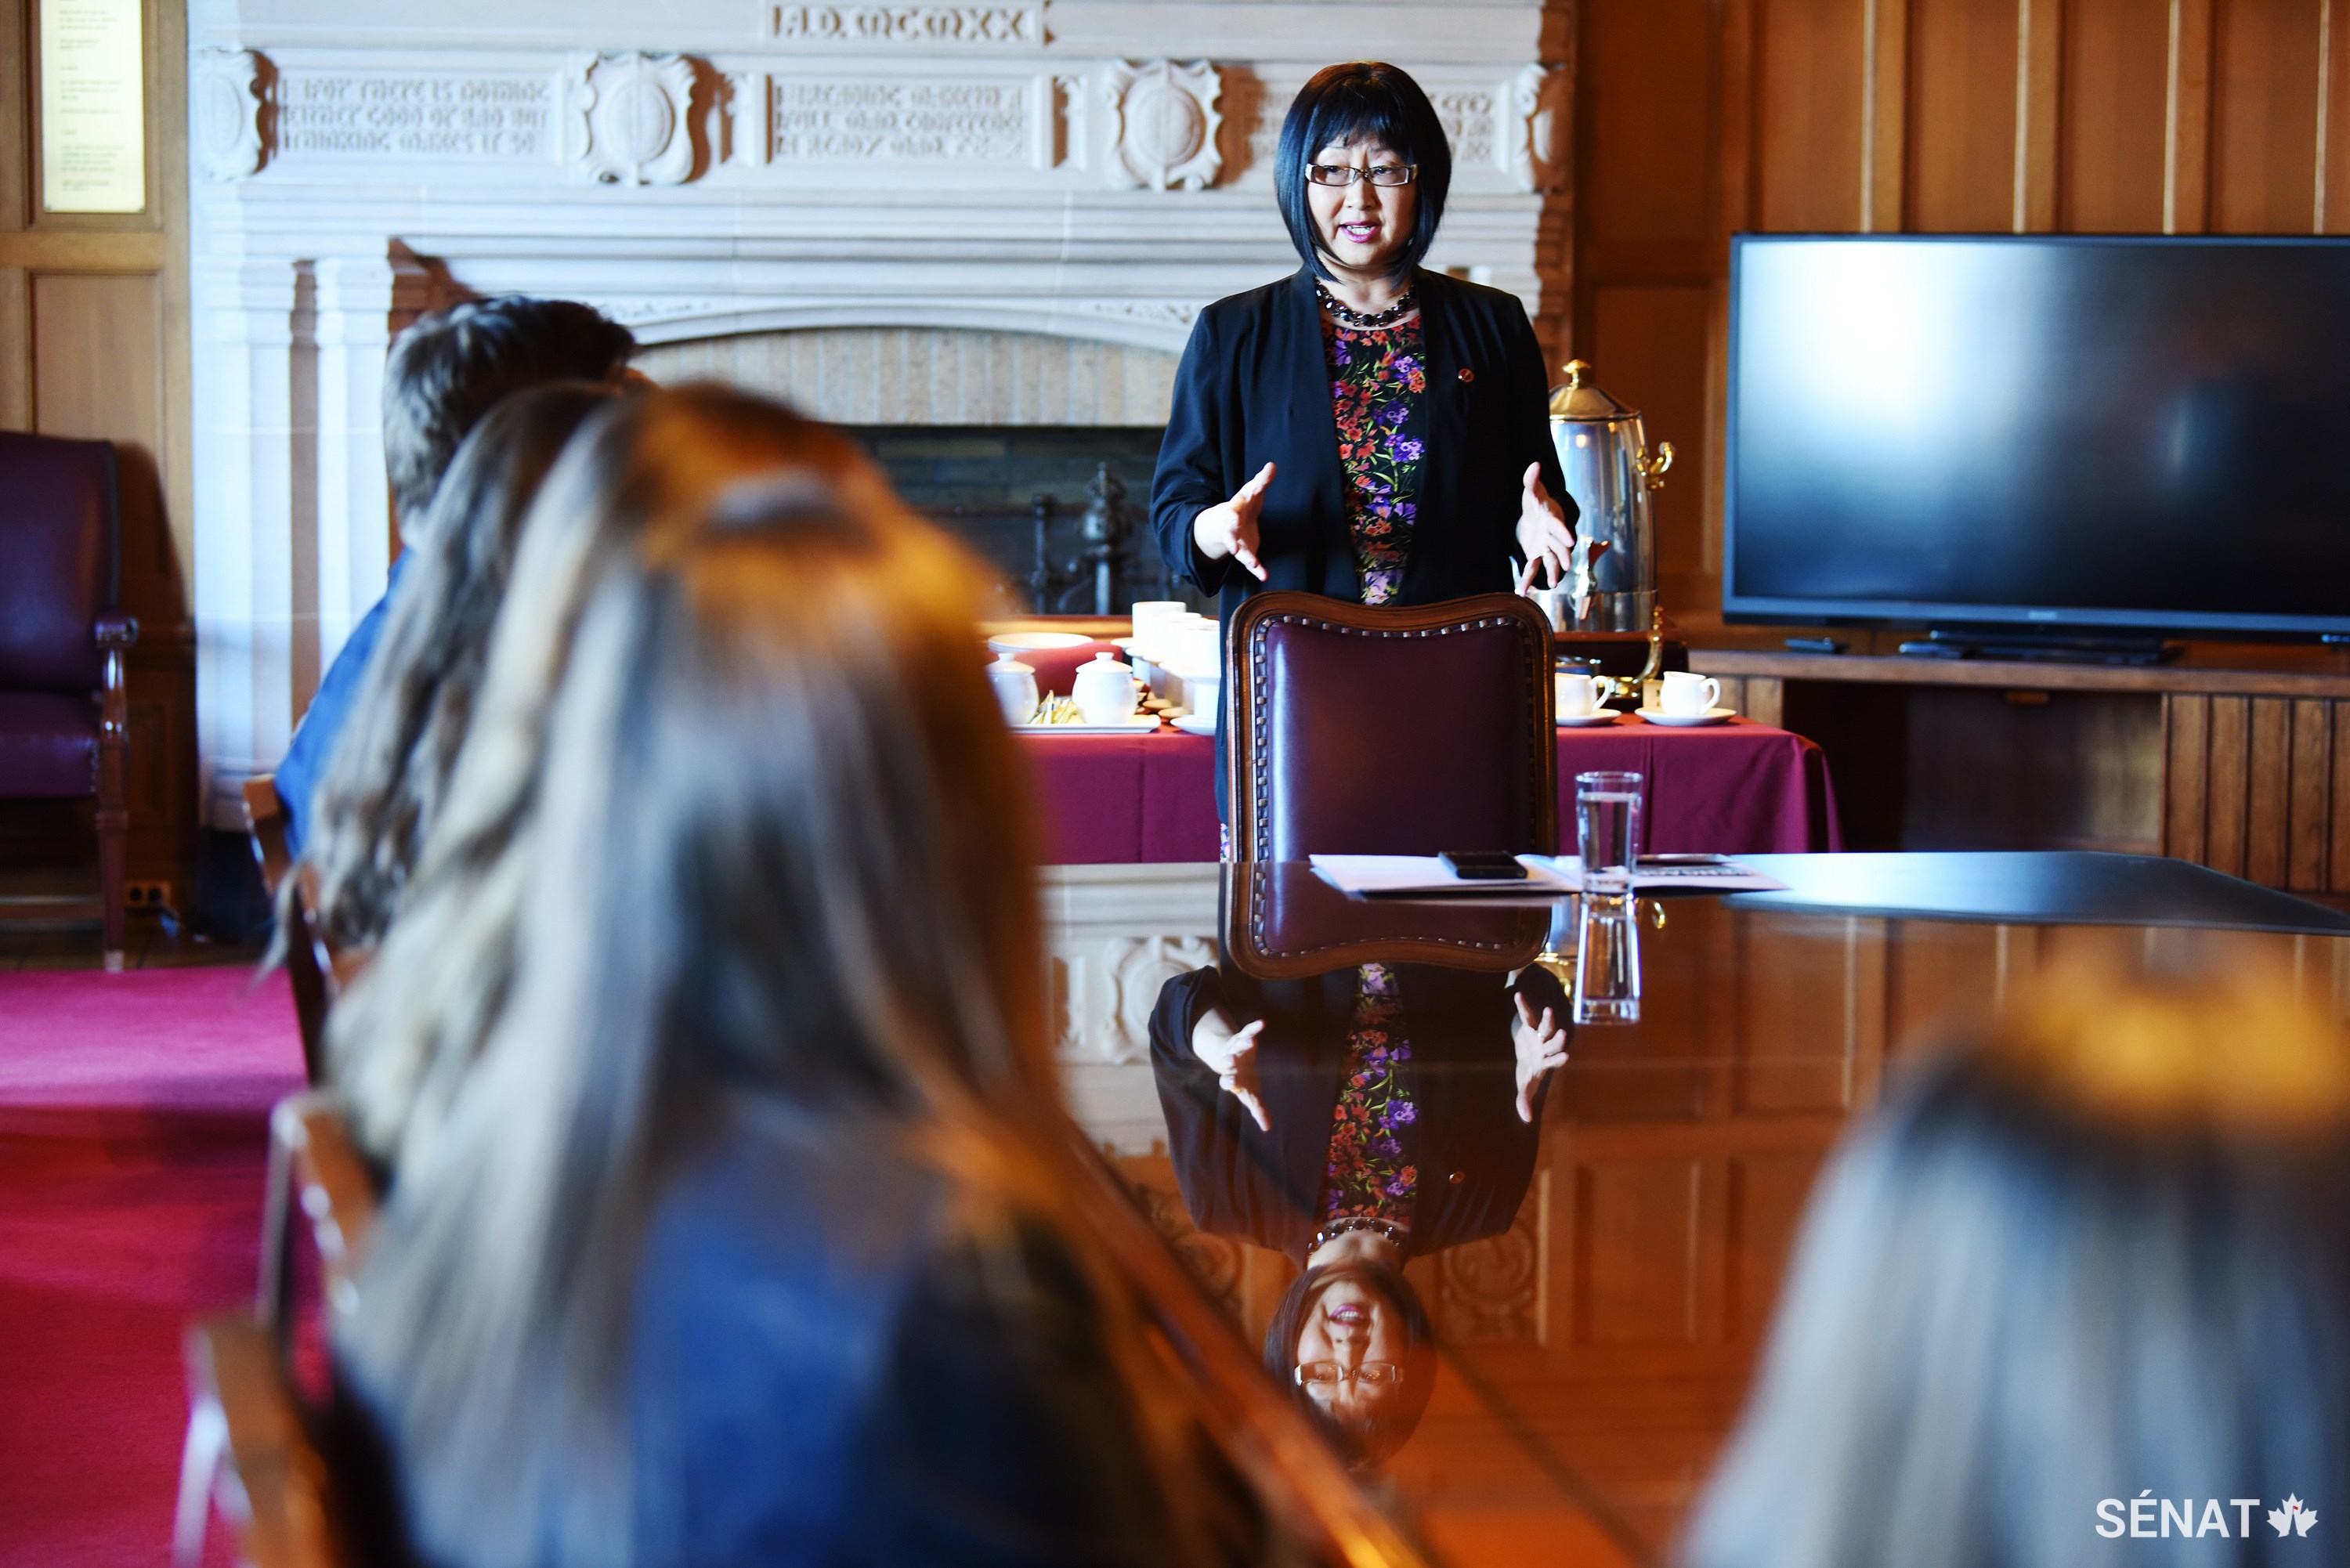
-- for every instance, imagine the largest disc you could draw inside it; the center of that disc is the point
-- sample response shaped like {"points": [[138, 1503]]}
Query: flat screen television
{"points": [[2103, 435]]}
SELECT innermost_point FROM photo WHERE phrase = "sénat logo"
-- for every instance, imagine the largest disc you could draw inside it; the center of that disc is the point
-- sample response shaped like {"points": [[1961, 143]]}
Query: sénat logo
{"points": [[2147, 1514]]}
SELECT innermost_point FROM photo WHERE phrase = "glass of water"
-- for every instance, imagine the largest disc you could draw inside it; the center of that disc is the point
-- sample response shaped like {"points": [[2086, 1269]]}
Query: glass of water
{"points": [[1608, 829], [1607, 961]]}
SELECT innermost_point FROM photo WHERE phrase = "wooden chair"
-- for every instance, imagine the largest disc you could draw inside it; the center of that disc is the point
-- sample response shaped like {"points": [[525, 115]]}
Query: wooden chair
{"points": [[275, 1483], [309, 959], [1354, 730], [238, 1366]]}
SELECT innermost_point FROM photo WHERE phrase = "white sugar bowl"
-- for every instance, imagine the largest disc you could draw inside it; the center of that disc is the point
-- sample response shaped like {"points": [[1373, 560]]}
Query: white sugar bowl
{"points": [[1015, 687], [1104, 691]]}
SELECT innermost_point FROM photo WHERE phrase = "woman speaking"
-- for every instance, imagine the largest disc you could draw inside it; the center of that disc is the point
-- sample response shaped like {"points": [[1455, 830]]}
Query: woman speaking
{"points": [[1363, 428]]}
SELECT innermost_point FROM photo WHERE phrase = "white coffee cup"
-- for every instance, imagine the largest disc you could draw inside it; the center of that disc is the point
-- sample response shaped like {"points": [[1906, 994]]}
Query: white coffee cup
{"points": [[1578, 696], [1684, 691], [1151, 618]]}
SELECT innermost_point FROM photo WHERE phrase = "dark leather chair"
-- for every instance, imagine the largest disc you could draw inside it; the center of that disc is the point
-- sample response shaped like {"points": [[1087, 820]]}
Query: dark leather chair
{"points": [[1283, 922], [1355, 731], [64, 712]]}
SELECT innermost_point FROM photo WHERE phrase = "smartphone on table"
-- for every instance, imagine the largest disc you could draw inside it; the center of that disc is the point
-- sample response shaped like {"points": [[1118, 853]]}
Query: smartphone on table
{"points": [[1484, 864]]}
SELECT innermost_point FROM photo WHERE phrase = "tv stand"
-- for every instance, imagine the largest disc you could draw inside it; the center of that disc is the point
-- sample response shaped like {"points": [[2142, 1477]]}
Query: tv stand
{"points": [[2234, 756], [2040, 647]]}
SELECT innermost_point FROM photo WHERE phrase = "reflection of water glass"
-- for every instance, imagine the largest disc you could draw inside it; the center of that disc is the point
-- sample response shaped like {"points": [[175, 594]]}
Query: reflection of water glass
{"points": [[1607, 961], [1608, 829]]}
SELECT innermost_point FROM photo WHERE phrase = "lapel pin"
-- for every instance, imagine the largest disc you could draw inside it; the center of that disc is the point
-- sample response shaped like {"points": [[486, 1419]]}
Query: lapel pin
{"points": [[1467, 374]]}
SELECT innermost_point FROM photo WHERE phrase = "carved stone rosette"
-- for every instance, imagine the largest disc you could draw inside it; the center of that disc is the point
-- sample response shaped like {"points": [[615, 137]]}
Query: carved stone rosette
{"points": [[228, 101], [1164, 119], [1532, 143], [1495, 1289], [1112, 984], [637, 124]]}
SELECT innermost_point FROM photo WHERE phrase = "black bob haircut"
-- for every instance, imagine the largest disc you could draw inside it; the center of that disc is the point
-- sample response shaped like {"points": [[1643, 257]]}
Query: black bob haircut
{"points": [[1363, 100], [1369, 1442]]}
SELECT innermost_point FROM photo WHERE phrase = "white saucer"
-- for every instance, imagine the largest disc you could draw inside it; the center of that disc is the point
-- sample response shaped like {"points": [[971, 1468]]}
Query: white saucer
{"points": [[1585, 721], [1141, 725], [1196, 723], [1687, 720]]}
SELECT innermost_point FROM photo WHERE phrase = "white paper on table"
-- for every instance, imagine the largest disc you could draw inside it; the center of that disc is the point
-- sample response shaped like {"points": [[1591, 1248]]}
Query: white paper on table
{"points": [[1397, 876], [1376, 876], [1688, 876]]}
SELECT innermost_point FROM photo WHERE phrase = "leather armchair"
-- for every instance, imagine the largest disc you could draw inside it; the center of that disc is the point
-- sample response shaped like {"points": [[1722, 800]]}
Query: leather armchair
{"points": [[1363, 731], [63, 708]]}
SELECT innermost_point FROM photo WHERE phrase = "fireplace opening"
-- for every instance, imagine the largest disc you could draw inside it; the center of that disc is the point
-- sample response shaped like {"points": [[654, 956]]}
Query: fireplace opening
{"points": [[1049, 507]]}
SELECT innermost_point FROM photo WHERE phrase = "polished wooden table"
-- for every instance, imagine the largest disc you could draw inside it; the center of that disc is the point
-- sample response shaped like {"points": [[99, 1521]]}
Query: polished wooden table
{"points": [[1595, 1348]]}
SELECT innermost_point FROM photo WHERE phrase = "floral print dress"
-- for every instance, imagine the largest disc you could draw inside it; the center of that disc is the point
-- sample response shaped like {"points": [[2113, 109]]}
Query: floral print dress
{"points": [[1368, 1176], [1378, 375]]}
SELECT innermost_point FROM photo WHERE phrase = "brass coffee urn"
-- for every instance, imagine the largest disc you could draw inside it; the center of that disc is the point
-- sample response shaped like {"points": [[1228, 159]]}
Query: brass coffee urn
{"points": [[1604, 454]]}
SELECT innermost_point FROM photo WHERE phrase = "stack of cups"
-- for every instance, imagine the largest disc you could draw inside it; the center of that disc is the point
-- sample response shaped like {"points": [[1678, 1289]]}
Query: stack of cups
{"points": [[1150, 615]]}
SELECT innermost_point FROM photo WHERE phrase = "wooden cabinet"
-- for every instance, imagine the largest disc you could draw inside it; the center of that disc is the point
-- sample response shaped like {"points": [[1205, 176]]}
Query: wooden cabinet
{"points": [[2243, 769]]}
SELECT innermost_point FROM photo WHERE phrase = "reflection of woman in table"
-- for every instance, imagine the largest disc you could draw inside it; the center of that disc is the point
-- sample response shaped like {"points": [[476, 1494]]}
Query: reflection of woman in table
{"points": [[1355, 1120], [1365, 428]]}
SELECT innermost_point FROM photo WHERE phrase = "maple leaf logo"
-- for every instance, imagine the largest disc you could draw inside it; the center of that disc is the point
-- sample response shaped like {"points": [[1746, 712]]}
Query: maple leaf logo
{"points": [[2294, 1519]]}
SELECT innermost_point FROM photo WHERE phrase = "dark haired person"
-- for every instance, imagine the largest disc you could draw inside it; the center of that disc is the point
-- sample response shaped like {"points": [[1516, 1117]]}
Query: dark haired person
{"points": [[446, 371], [1365, 428], [389, 774], [1352, 1120]]}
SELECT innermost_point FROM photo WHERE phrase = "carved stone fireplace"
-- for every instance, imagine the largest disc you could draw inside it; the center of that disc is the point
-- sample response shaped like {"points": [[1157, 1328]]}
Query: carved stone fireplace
{"points": [[920, 215]]}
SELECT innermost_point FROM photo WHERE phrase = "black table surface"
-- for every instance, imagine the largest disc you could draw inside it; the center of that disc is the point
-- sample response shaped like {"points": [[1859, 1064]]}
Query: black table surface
{"points": [[1600, 1274], [2061, 888]]}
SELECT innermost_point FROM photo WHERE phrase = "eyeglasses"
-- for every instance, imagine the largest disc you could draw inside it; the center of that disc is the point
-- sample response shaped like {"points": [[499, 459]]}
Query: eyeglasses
{"points": [[1329, 1374], [1343, 175]]}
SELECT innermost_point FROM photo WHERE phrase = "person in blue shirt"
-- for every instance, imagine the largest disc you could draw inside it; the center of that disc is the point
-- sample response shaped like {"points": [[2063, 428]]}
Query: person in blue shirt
{"points": [[443, 375]]}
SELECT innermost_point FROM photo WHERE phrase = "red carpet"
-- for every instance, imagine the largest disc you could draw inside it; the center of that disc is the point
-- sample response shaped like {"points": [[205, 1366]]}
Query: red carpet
{"points": [[133, 1142]]}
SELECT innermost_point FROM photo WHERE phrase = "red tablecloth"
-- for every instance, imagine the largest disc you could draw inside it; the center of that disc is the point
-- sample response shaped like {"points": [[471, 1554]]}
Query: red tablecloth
{"points": [[1729, 789]]}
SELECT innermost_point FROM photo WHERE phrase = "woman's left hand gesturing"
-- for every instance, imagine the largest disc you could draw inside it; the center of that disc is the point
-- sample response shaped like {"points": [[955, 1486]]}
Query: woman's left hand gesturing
{"points": [[1544, 538]]}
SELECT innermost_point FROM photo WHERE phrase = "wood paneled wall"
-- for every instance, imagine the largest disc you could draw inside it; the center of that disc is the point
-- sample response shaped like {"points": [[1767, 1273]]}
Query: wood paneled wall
{"points": [[2260, 787], [94, 344], [1701, 119]]}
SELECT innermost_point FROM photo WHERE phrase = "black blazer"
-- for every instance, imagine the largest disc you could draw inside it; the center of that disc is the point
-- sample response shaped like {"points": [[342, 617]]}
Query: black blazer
{"points": [[1475, 1157], [1253, 388]]}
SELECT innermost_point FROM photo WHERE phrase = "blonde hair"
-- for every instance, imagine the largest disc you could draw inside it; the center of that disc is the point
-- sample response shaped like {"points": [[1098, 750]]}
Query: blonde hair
{"points": [[403, 1039], [2101, 1246], [775, 880]]}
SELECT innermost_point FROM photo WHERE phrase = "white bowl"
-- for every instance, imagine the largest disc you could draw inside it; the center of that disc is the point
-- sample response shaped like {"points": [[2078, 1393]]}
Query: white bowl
{"points": [[1019, 642]]}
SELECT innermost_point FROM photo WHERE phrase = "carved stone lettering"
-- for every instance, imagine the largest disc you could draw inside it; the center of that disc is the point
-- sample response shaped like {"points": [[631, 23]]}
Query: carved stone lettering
{"points": [[951, 25], [867, 118], [1467, 116], [470, 116]]}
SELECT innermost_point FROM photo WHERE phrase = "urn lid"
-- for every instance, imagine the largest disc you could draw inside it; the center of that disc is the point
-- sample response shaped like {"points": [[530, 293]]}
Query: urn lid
{"points": [[1579, 398]]}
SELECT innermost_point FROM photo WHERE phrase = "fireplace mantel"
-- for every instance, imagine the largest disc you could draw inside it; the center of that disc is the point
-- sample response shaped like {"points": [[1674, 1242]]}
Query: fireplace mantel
{"points": [[1085, 169]]}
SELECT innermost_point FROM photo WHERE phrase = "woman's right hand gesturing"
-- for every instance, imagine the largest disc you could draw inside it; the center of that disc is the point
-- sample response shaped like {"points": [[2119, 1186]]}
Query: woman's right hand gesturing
{"points": [[1230, 1055], [1230, 529]]}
